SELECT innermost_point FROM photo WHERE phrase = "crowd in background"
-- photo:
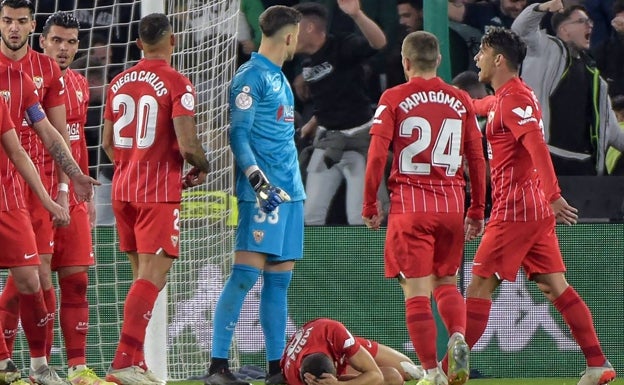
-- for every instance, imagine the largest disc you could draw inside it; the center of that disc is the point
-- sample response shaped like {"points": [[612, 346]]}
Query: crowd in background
{"points": [[376, 71]]}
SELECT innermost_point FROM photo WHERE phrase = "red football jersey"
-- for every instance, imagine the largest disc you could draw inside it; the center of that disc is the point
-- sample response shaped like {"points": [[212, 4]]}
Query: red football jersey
{"points": [[76, 104], [142, 102], [321, 335], [48, 79], [428, 123], [516, 192], [19, 91], [12, 193]]}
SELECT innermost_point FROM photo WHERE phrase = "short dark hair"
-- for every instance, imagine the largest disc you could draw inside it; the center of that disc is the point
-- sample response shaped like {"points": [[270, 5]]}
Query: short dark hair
{"points": [[617, 103], [618, 6], [16, 4], [559, 17], [153, 27], [60, 19], [416, 4], [315, 11], [507, 43], [317, 364], [277, 17]]}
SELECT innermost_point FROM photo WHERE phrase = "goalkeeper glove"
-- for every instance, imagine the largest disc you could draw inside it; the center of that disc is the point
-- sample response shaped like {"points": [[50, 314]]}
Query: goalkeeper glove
{"points": [[267, 195]]}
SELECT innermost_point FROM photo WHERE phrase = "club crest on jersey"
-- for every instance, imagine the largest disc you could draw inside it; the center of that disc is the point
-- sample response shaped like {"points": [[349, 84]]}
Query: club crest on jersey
{"points": [[286, 112], [6, 94], [258, 235], [174, 240], [38, 80], [79, 96]]}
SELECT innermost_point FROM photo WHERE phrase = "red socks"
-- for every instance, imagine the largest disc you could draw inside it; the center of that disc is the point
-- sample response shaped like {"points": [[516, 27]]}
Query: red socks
{"points": [[137, 313], [49, 297], [74, 316], [578, 317], [34, 321], [422, 330], [477, 315], [452, 308], [9, 312]]}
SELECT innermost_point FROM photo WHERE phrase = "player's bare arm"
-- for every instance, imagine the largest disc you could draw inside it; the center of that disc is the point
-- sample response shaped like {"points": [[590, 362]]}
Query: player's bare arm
{"points": [[107, 140], [58, 149], [363, 362], [190, 147], [26, 168], [57, 117]]}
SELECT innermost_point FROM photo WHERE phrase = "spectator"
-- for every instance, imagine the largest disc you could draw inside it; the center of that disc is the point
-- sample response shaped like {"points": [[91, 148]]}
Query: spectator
{"points": [[579, 123], [601, 12], [332, 70], [480, 15], [249, 33], [410, 13], [614, 163], [610, 54]]}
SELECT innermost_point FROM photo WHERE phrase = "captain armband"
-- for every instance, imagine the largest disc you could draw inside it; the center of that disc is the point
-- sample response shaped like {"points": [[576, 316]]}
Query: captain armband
{"points": [[34, 114]]}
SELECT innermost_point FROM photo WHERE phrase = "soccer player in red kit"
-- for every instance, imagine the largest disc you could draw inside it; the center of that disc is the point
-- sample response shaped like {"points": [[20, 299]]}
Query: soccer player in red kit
{"points": [[17, 23], [324, 350], [151, 107], [431, 126], [19, 250], [73, 249], [526, 200]]}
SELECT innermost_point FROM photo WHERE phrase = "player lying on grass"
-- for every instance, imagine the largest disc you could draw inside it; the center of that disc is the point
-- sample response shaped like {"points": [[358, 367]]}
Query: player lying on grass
{"points": [[323, 351]]}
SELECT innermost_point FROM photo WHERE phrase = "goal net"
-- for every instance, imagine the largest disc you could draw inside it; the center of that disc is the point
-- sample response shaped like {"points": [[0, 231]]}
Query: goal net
{"points": [[179, 335]]}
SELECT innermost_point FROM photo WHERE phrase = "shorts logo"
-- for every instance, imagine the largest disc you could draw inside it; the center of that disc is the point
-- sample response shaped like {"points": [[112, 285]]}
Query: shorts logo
{"points": [[174, 240], [51, 243], [28, 256], [258, 235]]}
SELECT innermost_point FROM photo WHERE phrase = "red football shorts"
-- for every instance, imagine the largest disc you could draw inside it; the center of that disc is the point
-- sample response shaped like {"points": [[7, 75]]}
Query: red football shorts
{"points": [[506, 246], [72, 244], [421, 244], [41, 222], [148, 228], [17, 239], [370, 345]]}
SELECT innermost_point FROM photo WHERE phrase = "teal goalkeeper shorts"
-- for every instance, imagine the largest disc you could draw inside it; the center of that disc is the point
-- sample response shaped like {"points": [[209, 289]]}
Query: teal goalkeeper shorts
{"points": [[278, 234]]}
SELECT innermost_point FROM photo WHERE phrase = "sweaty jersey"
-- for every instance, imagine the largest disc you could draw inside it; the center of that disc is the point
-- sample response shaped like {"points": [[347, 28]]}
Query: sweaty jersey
{"points": [[46, 75], [262, 127], [76, 104], [142, 103], [429, 124], [517, 195], [321, 335], [11, 190]]}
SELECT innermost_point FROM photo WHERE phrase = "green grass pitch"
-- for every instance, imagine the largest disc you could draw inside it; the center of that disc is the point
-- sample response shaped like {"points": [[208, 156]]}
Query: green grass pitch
{"points": [[489, 381]]}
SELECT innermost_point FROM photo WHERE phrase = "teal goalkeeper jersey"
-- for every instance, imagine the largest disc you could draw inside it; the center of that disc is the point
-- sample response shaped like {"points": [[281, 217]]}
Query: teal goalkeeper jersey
{"points": [[262, 130]]}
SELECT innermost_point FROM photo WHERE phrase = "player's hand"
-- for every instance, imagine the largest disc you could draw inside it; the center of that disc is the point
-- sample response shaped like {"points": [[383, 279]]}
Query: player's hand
{"points": [[618, 24], [473, 228], [372, 215], [564, 212], [83, 186], [194, 177], [62, 199], [60, 214], [267, 195], [324, 379]]}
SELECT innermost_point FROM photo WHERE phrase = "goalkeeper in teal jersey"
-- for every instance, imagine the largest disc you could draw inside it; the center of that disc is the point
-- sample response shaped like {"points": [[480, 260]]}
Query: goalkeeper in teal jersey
{"points": [[269, 237]]}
